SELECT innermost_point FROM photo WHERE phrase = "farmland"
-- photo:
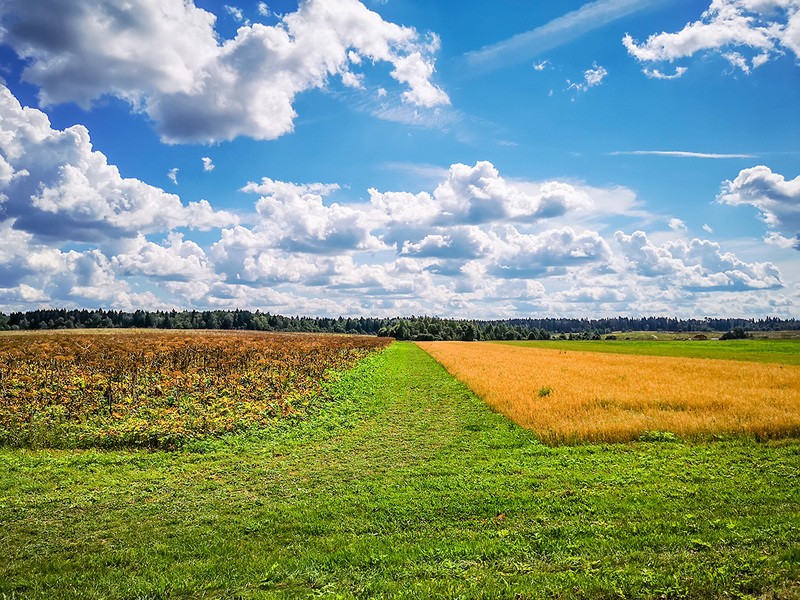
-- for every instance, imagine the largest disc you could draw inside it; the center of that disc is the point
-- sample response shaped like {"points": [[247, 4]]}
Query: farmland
{"points": [[572, 396], [406, 485], [784, 350], [160, 389]]}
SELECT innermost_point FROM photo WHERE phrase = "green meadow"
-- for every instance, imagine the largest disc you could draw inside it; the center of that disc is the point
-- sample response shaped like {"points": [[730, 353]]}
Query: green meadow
{"points": [[780, 351], [404, 485]]}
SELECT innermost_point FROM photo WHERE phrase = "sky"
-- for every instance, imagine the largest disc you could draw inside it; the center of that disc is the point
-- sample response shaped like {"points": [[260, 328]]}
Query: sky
{"points": [[402, 157]]}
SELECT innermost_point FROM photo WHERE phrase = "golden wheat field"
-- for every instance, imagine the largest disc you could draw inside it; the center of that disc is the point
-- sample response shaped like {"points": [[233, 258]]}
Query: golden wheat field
{"points": [[566, 396]]}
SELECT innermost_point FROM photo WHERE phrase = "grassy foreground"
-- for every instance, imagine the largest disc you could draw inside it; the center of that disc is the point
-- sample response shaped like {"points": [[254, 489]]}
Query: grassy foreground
{"points": [[407, 486]]}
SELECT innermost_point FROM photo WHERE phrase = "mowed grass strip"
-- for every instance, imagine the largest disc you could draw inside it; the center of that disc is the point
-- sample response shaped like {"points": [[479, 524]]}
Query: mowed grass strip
{"points": [[405, 486], [587, 396]]}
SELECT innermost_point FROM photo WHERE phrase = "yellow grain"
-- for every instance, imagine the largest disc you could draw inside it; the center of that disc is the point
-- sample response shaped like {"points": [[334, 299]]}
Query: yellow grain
{"points": [[615, 397]]}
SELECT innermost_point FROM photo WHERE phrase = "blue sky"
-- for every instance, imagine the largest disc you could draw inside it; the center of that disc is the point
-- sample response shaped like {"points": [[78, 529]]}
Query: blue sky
{"points": [[401, 157]]}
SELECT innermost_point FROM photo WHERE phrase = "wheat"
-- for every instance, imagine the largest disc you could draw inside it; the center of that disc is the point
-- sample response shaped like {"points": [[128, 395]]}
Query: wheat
{"points": [[612, 397]]}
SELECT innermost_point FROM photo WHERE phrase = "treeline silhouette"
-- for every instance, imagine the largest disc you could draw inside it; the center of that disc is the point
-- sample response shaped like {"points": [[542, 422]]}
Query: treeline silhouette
{"points": [[402, 328]]}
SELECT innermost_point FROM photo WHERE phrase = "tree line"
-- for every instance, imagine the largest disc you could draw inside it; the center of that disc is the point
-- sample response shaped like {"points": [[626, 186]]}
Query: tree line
{"points": [[402, 328]]}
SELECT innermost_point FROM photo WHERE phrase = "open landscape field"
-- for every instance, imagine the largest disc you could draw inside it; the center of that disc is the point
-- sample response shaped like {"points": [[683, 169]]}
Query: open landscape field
{"points": [[397, 481], [573, 396], [403, 485], [162, 389]]}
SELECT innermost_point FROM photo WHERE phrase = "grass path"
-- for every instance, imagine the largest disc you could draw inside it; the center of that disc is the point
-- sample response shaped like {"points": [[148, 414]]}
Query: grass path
{"points": [[408, 486]]}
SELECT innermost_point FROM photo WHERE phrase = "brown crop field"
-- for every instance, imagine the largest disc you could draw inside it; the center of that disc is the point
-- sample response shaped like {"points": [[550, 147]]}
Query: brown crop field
{"points": [[146, 388], [567, 396]]}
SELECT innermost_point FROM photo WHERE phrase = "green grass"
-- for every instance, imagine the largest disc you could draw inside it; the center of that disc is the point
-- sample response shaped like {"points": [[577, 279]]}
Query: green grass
{"points": [[781, 351], [406, 486]]}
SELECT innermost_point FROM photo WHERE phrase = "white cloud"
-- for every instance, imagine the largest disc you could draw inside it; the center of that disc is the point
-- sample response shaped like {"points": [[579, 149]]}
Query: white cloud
{"points": [[478, 194], [680, 154], [236, 13], [165, 59], [591, 78], [541, 65], [698, 265], [555, 33], [474, 243], [55, 185], [677, 225], [657, 74], [34, 274], [295, 218], [172, 174], [263, 9], [707, 228], [529, 256], [208, 164], [747, 33], [178, 261], [776, 198]]}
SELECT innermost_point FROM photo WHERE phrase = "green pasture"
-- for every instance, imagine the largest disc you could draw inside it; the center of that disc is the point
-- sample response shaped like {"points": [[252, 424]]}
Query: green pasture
{"points": [[781, 351], [404, 485]]}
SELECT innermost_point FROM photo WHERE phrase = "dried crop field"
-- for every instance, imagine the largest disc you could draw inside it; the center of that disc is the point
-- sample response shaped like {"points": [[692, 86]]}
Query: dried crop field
{"points": [[567, 396], [161, 388]]}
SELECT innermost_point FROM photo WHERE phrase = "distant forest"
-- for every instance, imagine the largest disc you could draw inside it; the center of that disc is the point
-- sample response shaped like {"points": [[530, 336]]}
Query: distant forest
{"points": [[402, 328]]}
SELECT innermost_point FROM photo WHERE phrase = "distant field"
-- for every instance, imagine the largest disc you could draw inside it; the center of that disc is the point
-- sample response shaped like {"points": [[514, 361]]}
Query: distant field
{"points": [[160, 388], [575, 396], [781, 351]]}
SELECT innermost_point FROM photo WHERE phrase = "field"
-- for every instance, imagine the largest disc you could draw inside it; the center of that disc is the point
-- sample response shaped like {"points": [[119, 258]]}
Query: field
{"points": [[405, 486], [571, 396], [783, 351], [160, 389], [387, 480]]}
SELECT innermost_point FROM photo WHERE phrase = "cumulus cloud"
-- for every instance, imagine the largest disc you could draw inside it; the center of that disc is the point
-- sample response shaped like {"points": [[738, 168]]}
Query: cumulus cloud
{"points": [[172, 174], [165, 58], [473, 195], [34, 273], [676, 224], [474, 243], [747, 33], [591, 78], [529, 256], [776, 198], [236, 14], [208, 164], [56, 185], [698, 265], [296, 218], [179, 260]]}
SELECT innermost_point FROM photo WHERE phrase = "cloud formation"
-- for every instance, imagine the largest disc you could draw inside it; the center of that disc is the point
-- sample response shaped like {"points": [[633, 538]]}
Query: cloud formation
{"points": [[165, 58], [74, 232], [776, 198], [747, 33], [561, 30], [55, 185], [591, 78]]}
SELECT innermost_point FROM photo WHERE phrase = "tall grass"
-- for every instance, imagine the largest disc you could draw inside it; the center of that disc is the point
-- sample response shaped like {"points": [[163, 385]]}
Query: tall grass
{"points": [[610, 397]]}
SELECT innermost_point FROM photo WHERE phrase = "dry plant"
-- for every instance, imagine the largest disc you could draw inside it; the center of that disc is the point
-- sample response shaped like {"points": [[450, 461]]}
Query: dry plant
{"points": [[567, 396], [160, 388]]}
